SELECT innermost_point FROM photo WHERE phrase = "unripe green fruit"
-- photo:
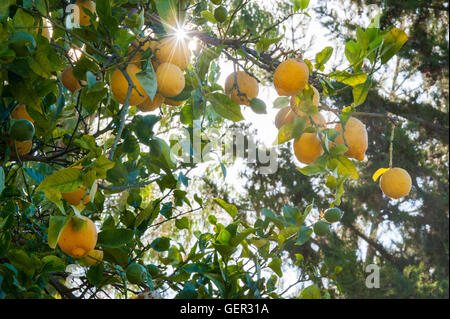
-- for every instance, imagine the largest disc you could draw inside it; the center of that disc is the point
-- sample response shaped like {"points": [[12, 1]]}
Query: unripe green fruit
{"points": [[217, 2], [22, 43], [136, 274], [321, 228], [22, 130], [332, 215], [220, 13]]}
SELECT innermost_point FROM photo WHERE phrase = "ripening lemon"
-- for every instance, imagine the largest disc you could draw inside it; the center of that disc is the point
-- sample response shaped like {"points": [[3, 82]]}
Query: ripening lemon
{"points": [[395, 183], [307, 148], [287, 116], [170, 79], [74, 198], [284, 116], [290, 77], [20, 113], [355, 136], [172, 102], [119, 86], [78, 242], [173, 50], [149, 104], [97, 257], [248, 87], [22, 147], [85, 20], [69, 80]]}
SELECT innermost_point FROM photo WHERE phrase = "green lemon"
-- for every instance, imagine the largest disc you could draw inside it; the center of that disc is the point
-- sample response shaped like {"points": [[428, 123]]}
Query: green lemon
{"points": [[136, 274], [22, 130], [321, 228], [332, 215], [22, 43], [220, 13]]}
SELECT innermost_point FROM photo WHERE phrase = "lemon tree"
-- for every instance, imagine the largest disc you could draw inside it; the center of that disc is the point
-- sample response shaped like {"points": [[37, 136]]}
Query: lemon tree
{"points": [[95, 172]]}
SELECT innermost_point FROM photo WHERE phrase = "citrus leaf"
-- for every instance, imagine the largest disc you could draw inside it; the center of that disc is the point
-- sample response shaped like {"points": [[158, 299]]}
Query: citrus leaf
{"points": [[115, 237], [229, 208], [225, 106], [64, 181], [55, 228]]}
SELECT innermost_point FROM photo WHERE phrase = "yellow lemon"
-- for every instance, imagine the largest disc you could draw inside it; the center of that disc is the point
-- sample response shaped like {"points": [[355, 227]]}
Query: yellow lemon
{"points": [[395, 183], [20, 113], [173, 50], [149, 104], [69, 80], [84, 19], [307, 148], [355, 136], [93, 257], [248, 87], [290, 77], [170, 79], [119, 86], [78, 243], [74, 198]]}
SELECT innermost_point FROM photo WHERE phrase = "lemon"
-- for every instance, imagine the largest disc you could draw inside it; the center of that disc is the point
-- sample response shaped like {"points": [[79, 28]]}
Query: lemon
{"points": [[170, 80], [248, 87], [136, 274], [307, 148], [149, 104], [69, 80], [396, 183], [78, 242], [119, 86], [290, 77], [173, 50], [355, 136]]}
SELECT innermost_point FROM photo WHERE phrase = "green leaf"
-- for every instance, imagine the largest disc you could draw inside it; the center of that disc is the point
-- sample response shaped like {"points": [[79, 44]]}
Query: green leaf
{"points": [[4, 8], [352, 52], [275, 265], [360, 92], [347, 167], [55, 228], [196, 268], [183, 223], [65, 180], [229, 208], [224, 106], [393, 42], [115, 237], [352, 79], [161, 244], [52, 264], [95, 274], [147, 79], [322, 57], [303, 235], [241, 236], [310, 292], [208, 16], [2, 180], [281, 102]]}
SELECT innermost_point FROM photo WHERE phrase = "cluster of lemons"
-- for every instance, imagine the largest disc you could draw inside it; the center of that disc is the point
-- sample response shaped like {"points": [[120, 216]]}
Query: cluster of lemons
{"points": [[290, 78]]}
